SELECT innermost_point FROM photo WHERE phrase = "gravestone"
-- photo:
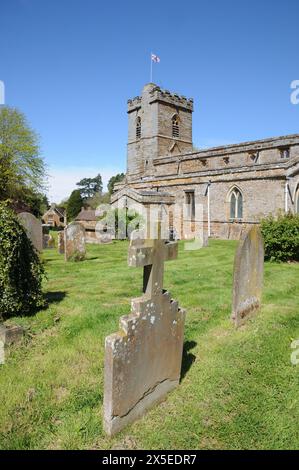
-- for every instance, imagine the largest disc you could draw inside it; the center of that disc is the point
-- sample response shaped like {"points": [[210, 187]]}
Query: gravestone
{"points": [[33, 228], [248, 275], [143, 360], [48, 241], [11, 334], [74, 242], [60, 242]]}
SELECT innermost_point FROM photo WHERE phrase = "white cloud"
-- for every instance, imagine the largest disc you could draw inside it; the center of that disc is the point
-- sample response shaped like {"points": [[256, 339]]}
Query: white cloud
{"points": [[62, 180]]}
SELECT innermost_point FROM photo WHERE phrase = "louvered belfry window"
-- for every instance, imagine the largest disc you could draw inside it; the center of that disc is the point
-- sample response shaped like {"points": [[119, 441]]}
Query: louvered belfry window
{"points": [[138, 127], [175, 127]]}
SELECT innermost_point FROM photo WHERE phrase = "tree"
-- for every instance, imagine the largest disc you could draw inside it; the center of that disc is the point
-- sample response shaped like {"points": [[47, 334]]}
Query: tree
{"points": [[37, 203], [90, 186], [21, 270], [115, 179], [74, 205], [98, 199], [21, 167]]}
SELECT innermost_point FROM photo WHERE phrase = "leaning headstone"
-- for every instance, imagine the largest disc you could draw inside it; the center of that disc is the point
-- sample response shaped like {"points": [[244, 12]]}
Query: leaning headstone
{"points": [[143, 360], [248, 275], [33, 228], [74, 242], [60, 242]]}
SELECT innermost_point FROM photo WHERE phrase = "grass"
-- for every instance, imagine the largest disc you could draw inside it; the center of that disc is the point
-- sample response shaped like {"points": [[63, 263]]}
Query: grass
{"points": [[239, 389]]}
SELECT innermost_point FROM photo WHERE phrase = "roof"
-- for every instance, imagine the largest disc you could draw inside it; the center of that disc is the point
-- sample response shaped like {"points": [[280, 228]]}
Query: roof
{"points": [[59, 211], [86, 214]]}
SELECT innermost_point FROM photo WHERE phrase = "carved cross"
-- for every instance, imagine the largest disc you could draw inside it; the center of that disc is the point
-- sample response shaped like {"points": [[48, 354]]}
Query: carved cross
{"points": [[151, 255]]}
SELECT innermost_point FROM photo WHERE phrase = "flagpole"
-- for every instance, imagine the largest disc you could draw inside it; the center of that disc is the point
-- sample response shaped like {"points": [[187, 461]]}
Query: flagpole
{"points": [[151, 68]]}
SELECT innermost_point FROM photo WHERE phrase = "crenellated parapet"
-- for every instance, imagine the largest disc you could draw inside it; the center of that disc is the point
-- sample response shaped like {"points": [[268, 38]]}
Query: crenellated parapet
{"points": [[173, 99], [155, 93], [134, 104]]}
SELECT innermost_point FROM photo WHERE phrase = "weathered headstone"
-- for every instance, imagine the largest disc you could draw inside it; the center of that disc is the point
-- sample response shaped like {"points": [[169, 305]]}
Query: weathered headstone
{"points": [[74, 242], [11, 334], [48, 241], [33, 228], [106, 237], [60, 242], [143, 360], [248, 275]]}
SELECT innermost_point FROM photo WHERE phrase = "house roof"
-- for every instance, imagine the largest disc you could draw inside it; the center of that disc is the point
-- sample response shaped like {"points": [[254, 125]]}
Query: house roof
{"points": [[59, 211], [87, 214]]}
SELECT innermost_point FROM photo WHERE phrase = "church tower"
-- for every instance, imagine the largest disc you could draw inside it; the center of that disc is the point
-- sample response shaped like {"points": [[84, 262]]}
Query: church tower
{"points": [[160, 125]]}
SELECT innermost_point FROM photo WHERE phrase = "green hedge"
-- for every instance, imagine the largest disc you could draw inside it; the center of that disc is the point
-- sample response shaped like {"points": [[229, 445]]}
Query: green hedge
{"points": [[21, 271], [281, 237]]}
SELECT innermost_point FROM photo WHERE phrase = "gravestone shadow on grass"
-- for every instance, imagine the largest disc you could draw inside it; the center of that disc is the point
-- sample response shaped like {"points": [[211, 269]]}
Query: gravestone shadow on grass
{"points": [[188, 358]]}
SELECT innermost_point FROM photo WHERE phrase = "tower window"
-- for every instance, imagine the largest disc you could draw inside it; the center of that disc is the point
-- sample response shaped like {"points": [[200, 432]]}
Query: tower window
{"points": [[175, 127], [190, 202], [236, 204], [138, 127]]}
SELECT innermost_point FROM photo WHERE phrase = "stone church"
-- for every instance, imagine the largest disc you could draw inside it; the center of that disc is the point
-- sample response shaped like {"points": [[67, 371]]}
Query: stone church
{"points": [[236, 185]]}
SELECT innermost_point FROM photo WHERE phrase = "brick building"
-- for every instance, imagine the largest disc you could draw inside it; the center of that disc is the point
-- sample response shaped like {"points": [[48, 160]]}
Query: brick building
{"points": [[236, 185]]}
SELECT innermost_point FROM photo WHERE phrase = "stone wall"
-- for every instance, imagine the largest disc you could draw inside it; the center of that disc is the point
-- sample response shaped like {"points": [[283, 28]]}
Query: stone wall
{"points": [[263, 194]]}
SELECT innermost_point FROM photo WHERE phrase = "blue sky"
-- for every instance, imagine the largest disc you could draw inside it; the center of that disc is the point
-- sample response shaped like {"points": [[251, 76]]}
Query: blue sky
{"points": [[71, 65]]}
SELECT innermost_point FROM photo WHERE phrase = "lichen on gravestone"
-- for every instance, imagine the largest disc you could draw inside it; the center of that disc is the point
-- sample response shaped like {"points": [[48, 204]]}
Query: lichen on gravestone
{"points": [[143, 360], [248, 275]]}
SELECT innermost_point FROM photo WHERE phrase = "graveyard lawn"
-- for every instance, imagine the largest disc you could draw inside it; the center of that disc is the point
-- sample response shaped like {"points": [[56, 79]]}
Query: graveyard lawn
{"points": [[238, 390]]}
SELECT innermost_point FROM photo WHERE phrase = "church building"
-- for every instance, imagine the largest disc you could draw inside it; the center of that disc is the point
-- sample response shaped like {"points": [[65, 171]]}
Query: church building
{"points": [[236, 185]]}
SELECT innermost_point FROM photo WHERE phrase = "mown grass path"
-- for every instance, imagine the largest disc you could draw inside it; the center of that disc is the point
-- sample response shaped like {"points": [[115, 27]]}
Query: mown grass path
{"points": [[238, 390]]}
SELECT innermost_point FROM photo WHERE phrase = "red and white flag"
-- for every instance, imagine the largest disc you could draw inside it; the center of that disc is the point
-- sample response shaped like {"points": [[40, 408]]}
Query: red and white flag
{"points": [[155, 58]]}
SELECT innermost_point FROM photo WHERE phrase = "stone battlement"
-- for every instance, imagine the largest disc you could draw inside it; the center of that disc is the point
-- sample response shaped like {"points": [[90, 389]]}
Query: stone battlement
{"points": [[158, 94], [134, 103]]}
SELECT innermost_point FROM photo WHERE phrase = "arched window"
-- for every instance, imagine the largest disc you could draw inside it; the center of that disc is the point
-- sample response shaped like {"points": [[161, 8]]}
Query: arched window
{"points": [[175, 126], [138, 127], [236, 204]]}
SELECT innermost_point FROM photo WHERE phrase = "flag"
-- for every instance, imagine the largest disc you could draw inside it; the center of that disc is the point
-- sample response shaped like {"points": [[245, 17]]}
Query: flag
{"points": [[155, 58]]}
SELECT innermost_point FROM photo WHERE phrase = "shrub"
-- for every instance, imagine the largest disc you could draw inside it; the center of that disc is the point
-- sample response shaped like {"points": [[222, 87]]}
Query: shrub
{"points": [[21, 271], [281, 237], [122, 222]]}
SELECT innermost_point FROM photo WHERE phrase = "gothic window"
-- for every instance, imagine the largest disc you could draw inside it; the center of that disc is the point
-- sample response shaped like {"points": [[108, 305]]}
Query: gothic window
{"points": [[297, 201], [190, 202], [285, 153], [138, 127], [236, 204], [175, 126]]}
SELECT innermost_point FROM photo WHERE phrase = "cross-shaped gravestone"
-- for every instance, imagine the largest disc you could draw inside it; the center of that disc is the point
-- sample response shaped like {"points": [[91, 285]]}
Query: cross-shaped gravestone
{"points": [[143, 360], [151, 254]]}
